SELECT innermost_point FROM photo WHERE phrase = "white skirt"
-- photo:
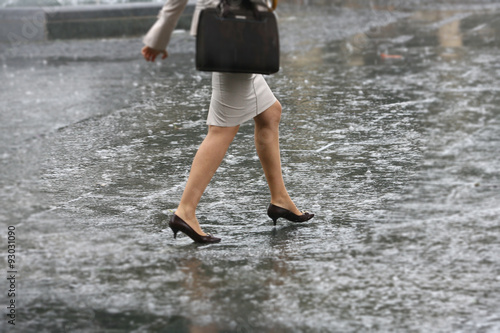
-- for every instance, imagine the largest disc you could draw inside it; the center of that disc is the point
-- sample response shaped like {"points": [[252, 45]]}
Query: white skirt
{"points": [[237, 98]]}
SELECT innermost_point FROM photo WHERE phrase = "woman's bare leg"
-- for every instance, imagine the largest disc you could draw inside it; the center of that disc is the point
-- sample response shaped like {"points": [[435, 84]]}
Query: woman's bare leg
{"points": [[205, 163], [267, 145]]}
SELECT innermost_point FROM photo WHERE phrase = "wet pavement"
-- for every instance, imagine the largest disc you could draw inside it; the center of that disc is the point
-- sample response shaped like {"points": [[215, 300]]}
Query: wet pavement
{"points": [[390, 134]]}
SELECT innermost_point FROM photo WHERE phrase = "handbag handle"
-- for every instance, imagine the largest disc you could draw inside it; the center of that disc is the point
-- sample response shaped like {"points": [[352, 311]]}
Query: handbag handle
{"points": [[224, 7], [225, 10]]}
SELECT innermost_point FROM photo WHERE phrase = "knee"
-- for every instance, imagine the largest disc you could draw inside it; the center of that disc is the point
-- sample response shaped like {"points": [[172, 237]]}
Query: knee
{"points": [[271, 117], [276, 111]]}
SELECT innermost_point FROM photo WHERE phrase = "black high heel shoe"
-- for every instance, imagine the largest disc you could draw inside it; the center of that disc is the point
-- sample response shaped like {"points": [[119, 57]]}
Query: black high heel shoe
{"points": [[275, 212], [177, 224]]}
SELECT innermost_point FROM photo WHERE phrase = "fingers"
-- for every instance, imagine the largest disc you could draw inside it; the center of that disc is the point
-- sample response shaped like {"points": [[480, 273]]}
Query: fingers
{"points": [[145, 53], [150, 54]]}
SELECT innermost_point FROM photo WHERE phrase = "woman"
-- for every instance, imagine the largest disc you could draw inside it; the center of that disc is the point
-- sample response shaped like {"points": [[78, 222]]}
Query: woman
{"points": [[236, 98]]}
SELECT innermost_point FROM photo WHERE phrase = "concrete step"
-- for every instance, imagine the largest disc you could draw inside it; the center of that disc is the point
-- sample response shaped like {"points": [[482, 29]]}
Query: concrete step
{"points": [[34, 24]]}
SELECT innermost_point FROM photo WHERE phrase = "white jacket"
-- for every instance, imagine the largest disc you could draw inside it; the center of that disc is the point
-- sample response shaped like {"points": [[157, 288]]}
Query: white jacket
{"points": [[158, 36]]}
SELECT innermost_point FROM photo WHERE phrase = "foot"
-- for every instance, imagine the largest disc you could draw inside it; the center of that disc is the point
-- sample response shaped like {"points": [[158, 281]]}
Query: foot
{"points": [[287, 204], [192, 221], [177, 224], [275, 212]]}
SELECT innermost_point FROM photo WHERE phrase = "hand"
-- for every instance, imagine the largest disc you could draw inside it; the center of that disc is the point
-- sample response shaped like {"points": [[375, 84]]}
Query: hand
{"points": [[151, 54]]}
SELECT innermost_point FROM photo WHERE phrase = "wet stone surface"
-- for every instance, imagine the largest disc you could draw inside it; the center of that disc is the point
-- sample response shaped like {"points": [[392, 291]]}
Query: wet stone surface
{"points": [[390, 134]]}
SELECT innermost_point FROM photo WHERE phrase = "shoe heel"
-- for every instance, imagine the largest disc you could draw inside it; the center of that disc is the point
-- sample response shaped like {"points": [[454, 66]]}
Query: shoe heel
{"points": [[273, 217], [174, 230]]}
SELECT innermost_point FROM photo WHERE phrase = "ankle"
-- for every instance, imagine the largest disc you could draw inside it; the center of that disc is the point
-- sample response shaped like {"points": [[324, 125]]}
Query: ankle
{"points": [[185, 214], [285, 202]]}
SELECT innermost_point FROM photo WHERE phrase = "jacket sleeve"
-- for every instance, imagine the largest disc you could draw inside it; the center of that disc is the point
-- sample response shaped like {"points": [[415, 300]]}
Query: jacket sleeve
{"points": [[158, 36]]}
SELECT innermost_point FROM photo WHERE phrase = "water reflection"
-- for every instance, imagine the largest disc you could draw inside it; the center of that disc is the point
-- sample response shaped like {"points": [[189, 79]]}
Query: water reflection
{"points": [[390, 43]]}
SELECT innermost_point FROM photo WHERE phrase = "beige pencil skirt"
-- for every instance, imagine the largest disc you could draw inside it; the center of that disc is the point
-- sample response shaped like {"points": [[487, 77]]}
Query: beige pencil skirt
{"points": [[237, 98]]}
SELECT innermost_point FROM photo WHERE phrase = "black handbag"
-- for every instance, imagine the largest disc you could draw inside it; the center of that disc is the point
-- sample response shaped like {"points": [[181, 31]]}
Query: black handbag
{"points": [[237, 40]]}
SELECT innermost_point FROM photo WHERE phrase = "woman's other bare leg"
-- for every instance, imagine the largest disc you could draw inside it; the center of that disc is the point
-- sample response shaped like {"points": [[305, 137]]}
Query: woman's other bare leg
{"points": [[205, 164], [267, 145]]}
